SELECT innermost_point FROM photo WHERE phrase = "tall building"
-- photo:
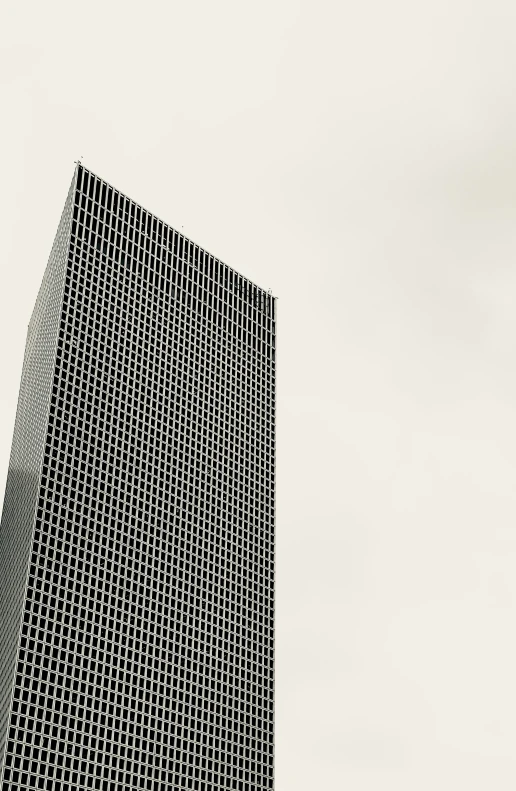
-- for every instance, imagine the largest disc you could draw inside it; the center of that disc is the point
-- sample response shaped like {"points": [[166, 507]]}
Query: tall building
{"points": [[137, 535]]}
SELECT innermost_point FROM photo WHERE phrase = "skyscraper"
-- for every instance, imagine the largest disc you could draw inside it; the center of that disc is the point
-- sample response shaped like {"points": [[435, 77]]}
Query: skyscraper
{"points": [[137, 535]]}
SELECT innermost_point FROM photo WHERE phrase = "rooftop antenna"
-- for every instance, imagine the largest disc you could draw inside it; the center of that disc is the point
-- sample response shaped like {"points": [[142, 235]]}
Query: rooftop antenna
{"points": [[78, 161]]}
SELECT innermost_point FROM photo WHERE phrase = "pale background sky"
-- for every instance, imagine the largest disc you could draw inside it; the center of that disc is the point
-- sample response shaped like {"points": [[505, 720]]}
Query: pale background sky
{"points": [[359, 159]]}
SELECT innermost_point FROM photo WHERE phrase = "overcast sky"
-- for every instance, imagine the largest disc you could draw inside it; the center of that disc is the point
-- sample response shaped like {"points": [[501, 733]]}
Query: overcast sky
{"points": [[359, 159]]}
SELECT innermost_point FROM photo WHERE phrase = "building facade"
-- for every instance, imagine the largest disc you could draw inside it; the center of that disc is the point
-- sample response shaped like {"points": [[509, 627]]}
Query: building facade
{"points": [[137, 534]]}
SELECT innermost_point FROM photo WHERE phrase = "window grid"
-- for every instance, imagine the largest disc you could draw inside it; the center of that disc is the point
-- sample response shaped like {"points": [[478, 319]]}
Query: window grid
{"points": [[147, 642]]}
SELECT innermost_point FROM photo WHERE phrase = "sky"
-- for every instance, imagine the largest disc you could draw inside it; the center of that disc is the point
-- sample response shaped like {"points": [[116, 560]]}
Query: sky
{"points": [[359, 159]]}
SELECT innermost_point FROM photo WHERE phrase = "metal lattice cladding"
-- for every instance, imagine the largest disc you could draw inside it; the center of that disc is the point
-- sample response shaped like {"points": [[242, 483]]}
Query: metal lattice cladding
{"points": [[137, 535]]}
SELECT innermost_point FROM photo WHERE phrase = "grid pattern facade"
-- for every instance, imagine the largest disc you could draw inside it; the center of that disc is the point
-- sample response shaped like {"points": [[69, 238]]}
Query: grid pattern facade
{"points": [[145, 657], [22, 485]]}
